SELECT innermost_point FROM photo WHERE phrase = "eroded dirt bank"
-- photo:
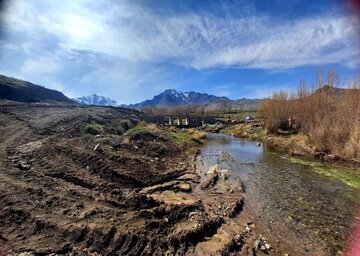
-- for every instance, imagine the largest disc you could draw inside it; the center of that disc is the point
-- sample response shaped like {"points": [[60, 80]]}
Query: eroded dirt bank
{"points": [[59, 194], [123, 189]]}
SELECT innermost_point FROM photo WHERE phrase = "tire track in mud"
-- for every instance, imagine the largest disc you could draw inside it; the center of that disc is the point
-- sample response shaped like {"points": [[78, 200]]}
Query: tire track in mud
{"points": [[77, 200]]}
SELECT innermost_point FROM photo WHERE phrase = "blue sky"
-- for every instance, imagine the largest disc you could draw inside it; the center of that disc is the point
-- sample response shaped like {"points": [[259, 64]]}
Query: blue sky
{"points": [[131, 50]]}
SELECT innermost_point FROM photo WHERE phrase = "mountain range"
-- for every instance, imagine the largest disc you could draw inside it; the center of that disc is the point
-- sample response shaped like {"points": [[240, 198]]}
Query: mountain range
{"points": [[22, 91], [96, 100], [173, 98]]}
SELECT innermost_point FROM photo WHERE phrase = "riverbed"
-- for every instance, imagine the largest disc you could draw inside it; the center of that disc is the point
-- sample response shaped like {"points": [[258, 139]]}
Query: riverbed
{"points": [[311, 212]]}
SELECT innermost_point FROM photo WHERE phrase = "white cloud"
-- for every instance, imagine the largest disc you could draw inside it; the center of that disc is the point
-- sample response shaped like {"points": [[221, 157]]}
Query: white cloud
{"points": [[41, 65], [128, 82], [118, 48], [128, 31]]}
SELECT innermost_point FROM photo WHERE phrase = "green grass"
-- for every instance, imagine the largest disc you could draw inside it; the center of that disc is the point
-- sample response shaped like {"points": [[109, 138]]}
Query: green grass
{"points": [[137, 129], [184, 139], [351, 177], [93, 128], [180, 137]]}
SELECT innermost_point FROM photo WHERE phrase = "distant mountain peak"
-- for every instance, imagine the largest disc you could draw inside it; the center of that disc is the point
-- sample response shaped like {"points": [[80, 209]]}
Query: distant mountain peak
{"points": [[174, 98], [95, 99]]}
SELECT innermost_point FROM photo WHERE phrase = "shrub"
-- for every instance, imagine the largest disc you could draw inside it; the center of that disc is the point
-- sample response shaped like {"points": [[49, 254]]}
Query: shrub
{"points": [[329, 116], [93, 128]]}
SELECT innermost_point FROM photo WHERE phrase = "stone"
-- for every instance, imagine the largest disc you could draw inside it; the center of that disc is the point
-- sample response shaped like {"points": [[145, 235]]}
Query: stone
{"points": [[184, 187], [256, 244], [26, 254], [24, 166], [224, 174], [191, 214], [97, 147], [213, 169], [237, 237]]}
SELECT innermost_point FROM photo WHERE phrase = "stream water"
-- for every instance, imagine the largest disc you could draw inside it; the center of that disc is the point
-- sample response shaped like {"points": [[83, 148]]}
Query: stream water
{"points": [[294, 202]]}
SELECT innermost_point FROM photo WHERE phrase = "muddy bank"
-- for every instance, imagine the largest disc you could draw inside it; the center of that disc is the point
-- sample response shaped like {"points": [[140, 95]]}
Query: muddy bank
{"points": [[72, 179], [92, 180]]}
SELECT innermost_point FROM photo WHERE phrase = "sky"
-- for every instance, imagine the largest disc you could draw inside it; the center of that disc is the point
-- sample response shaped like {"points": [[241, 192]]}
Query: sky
{"points": [[130, 50]]}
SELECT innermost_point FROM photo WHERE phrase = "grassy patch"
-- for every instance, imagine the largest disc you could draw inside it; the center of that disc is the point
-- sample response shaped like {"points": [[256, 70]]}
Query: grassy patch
{"points": [[179, 137], [186, 137], [93, 128], [137, 129], [351, 177], [246, 131], [187, 140], [198, 136], [239, 115]]}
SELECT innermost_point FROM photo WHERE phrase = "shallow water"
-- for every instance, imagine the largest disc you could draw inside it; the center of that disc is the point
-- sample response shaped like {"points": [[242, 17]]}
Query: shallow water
{"points": [[295, 203]]}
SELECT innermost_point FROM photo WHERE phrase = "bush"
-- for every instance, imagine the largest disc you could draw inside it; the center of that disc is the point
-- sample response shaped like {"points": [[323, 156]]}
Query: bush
{"points": [[93, 128], [329, 116]]}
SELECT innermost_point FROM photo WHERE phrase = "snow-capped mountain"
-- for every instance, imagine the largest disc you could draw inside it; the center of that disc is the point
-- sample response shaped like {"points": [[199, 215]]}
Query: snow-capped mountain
{"points": [[96, 100], [173, 98]]}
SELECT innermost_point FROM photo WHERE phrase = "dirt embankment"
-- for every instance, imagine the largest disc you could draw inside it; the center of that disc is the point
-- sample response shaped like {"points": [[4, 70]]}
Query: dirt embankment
{"points": [[92, 180], [62, 190]]}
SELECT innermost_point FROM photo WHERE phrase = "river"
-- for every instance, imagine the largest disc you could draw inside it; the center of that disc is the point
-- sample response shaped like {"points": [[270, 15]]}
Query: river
{"points": [[294, 203]]}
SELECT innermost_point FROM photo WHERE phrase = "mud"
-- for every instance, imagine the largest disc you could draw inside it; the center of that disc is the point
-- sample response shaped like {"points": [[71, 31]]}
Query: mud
{"points": [[66, 192], [63, 191]]}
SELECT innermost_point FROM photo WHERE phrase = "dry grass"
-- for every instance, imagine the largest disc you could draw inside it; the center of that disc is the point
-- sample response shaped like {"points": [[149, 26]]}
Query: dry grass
{"points": [[197, 135], [330, 118]]}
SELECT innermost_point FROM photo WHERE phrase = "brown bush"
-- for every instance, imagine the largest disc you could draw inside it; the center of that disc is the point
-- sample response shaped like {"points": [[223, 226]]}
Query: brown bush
{"points": [[276, 111], [329, 116]]}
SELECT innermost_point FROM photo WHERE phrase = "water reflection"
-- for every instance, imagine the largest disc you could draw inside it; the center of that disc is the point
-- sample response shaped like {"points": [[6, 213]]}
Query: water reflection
{"points": [[295, 201]]}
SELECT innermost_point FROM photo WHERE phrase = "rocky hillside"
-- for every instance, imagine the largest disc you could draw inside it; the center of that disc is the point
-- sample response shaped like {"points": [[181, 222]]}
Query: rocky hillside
{"points": [[18, 90]]}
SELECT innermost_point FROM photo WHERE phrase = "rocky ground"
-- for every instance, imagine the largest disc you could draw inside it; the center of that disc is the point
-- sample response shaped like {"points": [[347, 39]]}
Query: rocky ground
{"points": [[79, 180]]}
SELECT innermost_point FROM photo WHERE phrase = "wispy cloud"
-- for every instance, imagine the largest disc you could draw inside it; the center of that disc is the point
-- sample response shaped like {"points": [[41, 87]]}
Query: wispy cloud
{"points": [[125, 43], [200, 41]]}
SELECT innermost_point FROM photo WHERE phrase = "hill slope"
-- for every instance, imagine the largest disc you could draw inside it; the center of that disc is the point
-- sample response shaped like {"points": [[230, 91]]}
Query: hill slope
{"points": [[23, 91]]}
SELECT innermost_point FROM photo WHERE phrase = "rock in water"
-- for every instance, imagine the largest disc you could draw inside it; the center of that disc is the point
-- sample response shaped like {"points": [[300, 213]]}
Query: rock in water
{"points": [[224, 174], [213, 170]]}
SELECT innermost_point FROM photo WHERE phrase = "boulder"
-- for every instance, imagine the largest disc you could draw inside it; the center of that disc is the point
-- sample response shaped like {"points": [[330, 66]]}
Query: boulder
{"points": [[213, 170], [224, 174], [184, 187]]}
